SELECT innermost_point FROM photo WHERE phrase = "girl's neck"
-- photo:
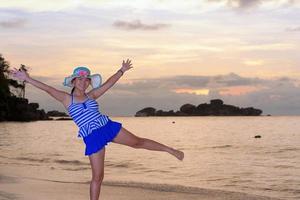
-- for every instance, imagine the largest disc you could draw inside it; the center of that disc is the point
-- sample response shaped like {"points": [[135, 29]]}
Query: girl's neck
{"points": [[79, 93]]}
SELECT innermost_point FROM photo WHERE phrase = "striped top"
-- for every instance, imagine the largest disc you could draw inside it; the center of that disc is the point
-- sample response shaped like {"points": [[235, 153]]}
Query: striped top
{"points": [[87, 116]]}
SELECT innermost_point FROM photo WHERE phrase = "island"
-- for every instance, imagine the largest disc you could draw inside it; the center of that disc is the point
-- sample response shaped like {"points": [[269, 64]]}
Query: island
{"points": [[216, 107], [13, 104], [19, 109], [56, 115]]}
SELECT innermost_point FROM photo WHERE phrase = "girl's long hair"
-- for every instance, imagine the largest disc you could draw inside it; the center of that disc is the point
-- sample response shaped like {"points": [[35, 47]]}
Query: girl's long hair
{"points": [[72, 90]]}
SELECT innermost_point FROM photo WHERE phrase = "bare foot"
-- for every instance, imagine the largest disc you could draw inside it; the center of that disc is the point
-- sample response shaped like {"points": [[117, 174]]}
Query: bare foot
{"points": [[178, 154]]}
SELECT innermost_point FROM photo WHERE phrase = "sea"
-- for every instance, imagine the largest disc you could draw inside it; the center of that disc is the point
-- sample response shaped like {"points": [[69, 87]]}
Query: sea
{"points": [[220, 153]]}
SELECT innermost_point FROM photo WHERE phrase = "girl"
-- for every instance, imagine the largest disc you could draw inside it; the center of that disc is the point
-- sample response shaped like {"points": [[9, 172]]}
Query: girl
{"points": [[96, 129]]}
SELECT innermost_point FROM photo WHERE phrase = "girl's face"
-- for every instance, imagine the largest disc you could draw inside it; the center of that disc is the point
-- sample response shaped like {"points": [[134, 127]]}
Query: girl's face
{"points": [[81, 83]]}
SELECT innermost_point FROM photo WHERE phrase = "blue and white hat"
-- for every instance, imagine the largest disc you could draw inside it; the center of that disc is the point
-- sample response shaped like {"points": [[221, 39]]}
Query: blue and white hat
{"points": [[82, 71]]}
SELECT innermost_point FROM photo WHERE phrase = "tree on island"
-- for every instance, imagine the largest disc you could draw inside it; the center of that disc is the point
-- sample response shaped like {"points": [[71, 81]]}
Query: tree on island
{"points": [[23, 67], [13, 105], [6, 83]]}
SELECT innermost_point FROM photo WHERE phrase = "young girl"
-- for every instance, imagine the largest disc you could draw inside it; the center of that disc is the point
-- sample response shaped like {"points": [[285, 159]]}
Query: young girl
{"points": [[96, 129]]}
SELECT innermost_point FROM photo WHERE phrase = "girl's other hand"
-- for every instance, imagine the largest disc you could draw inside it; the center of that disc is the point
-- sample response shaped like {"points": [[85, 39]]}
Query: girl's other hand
{"points": [[126, 65], [19, 74]]}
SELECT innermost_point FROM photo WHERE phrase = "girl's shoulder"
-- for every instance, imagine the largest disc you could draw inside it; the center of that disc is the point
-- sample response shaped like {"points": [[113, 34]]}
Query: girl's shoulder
{"points": [[90, 95], [68, 100]]}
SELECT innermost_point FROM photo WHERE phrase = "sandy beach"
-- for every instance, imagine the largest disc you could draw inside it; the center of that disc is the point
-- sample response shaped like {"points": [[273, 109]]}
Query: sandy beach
{"points": [[12, 188]]}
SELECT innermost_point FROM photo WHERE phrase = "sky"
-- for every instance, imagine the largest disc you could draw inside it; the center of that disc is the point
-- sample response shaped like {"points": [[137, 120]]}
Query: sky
{"points": [[245, 52]]}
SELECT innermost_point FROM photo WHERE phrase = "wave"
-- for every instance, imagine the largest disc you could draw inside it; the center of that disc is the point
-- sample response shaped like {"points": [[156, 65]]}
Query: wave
{"points": [[221, 146], [78, 163], [76, 169], [54, 154], [210, 147], [72, 162], [283, 150], [124, 164], [48, 160], [288, 149], [118, 165], [284, 166], [8, 196], [7, 179], [43, 160]]}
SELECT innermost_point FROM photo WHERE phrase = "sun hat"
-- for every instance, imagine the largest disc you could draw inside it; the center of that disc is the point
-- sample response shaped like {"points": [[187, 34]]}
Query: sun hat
{"points": [[82, 71]]}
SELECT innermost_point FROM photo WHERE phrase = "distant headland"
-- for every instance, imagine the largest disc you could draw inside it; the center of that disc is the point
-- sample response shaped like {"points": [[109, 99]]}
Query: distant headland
{"points": [[215, 108]]}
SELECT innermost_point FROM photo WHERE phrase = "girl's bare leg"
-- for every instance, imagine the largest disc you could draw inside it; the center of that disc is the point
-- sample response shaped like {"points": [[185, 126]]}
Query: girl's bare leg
{"points": [[127, 138], [97, 164]]}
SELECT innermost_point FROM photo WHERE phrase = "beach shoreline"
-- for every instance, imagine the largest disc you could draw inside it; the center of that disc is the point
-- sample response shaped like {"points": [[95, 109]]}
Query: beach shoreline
{"points": [[26, 188]]}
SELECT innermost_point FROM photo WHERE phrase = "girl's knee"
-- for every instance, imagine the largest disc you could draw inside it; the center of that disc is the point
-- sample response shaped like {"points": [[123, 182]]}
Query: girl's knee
{"points": [[98, 178]]}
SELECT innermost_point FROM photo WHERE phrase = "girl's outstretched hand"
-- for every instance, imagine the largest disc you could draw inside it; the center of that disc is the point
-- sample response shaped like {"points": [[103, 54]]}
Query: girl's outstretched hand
{"points": [[19, 74], [126, 65]]}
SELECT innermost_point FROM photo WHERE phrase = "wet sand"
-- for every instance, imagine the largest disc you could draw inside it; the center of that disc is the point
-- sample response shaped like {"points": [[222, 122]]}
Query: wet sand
{"points": [[12, 188]]}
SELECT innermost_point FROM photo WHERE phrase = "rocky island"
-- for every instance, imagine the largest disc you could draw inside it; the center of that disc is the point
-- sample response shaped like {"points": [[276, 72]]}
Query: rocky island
{"points": [[216, 107], [18, 109]]}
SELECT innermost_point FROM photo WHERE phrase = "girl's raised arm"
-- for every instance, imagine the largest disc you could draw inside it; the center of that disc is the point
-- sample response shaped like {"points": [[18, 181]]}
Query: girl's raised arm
{"points": [[97, 92], [57, 94]]}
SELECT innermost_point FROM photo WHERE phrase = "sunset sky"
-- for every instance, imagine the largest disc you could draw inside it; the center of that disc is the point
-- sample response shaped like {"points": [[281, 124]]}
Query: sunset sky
{"points": [[245, 52]]}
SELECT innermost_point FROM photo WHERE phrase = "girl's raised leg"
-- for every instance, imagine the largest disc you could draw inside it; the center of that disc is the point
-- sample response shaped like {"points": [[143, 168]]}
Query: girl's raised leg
{"points": [[125, 137]]}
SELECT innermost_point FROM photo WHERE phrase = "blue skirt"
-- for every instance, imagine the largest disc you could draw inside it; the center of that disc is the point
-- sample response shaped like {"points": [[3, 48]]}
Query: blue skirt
{"points": [[100, 137]]}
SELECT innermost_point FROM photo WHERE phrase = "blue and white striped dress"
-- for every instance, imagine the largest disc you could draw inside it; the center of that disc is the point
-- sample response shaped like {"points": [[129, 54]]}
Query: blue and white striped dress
{"points": [[87, 116]]}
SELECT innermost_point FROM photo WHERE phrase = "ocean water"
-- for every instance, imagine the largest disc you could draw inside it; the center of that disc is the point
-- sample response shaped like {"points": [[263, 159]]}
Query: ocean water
{"points": [[220, 153]]}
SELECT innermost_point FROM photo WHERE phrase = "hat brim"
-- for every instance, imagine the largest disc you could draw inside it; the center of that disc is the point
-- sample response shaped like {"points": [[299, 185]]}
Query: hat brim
{"points": [[96, 80]]}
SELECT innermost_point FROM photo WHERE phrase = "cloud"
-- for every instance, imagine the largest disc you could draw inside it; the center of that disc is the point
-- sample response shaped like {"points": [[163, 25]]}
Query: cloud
{"points": [[293, 2], [200, 85], [253, 62], [243, 4], [294, 29], [249, 4], [137, 24], [13, 23], [267, 47], [39, 6], [202, 91]]}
